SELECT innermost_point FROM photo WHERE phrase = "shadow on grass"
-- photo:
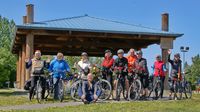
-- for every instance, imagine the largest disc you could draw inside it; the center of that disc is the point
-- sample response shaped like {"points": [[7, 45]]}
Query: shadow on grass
{"points": [[12, 93]]}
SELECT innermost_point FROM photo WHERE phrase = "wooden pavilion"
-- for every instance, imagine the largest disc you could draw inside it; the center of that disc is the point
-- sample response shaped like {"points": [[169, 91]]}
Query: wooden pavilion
{"points": [[83, 33]]}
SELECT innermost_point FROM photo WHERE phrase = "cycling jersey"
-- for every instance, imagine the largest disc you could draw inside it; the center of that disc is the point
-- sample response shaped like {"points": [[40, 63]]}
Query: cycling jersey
{"points": [[131, 61], [175, 68], [159, 68]]}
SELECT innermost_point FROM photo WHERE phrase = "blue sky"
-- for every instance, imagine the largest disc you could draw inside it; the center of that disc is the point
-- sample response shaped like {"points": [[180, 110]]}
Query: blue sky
{"points": [[184, 16]]}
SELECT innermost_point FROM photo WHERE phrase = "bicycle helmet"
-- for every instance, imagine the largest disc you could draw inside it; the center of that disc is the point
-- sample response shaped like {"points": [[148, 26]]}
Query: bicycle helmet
{"points": [[120, 51], [177, 55], [106, 51], [139, 52], [84, 54]]}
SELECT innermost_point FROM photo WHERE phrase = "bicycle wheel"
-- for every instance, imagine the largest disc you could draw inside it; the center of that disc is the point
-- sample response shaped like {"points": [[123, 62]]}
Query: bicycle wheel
{"points": [[134, 90], [39, 91], [188, 90], [61, 90], [119, 89], [177, 91], [74, 90], [105, 88]]}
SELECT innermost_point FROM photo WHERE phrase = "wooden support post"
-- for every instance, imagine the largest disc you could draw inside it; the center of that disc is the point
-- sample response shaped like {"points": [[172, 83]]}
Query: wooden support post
{"points": [[19, 69], [18, 77], [23, 66], [165, 45], [29, 51]]}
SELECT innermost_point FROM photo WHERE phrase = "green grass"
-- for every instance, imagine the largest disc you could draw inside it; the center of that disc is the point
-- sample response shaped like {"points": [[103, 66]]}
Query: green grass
{"points": [[11, 97], [191, 105]]}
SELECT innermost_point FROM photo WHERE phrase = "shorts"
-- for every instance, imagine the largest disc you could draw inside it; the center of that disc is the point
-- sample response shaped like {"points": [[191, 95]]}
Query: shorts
{"points": [[124, 75]]}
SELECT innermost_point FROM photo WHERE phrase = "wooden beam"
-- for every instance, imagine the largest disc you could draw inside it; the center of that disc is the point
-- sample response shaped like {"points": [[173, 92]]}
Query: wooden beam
{"points": [[86, 34]]}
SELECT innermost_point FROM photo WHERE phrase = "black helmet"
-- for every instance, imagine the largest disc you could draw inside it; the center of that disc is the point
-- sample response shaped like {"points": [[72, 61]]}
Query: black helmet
{"points": [[177, 55]]}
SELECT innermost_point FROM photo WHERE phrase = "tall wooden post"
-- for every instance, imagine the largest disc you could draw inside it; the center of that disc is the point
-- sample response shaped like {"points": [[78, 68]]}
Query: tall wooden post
{"points": [[29, 36], [23, 67], [18, 78], [29, 51], [166, 43], [20, 68]]}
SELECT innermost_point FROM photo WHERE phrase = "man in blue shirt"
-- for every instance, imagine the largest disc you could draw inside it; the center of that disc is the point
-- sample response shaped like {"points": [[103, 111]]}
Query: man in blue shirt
{"points": [[89, 92], [58, 67]]}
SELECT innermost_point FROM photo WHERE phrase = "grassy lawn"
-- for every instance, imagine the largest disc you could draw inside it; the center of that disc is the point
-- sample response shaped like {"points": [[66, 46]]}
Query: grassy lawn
{"points": [[11, 97], [191, 105]]}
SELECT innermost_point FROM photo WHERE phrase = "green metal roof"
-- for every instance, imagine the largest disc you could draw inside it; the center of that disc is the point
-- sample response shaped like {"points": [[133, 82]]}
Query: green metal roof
{"points": [[93, 24]]}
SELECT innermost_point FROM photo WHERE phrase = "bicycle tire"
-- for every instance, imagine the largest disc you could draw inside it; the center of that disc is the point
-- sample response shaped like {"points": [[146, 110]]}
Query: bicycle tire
{"points": [[105, 88], [61, 90], [39, 91], [134, 90], [74, 90]]}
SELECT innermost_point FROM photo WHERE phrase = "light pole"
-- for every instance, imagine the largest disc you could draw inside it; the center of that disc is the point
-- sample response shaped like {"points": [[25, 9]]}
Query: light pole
{"points": [[184, 50]]}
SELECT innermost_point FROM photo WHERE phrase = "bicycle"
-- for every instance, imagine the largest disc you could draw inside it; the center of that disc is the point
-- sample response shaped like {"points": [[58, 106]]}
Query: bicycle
{"points": [[105, 72], [38, 89], [186, 89], [135, 87], [156, 88], [120, 86], [176, 89], [103, 85], [51, 87]]}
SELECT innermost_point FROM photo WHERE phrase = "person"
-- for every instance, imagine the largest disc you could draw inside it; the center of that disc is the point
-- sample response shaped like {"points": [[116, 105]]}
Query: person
{"points": [[84, 66], [37, 66], [121, 62], [176, 71], [131, 60], [131, 64], [160, 70], [89, 91], [107, 64], [58, 67], [143, 73]]}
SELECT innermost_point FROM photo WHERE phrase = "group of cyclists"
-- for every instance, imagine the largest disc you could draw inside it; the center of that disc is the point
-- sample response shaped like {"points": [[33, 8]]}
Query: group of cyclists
{"points": [[128, 66]]}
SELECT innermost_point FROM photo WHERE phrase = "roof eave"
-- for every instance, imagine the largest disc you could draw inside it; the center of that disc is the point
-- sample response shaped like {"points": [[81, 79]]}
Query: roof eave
{"points": [[98, 31]]}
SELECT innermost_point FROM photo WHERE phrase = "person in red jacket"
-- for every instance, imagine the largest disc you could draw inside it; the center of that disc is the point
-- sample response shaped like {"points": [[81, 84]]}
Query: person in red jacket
{"points": [[106, 66], [159, 72]]}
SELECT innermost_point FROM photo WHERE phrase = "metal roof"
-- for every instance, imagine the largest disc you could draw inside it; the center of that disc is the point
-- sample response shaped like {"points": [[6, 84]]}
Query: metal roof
{"points": [[93, 24]]}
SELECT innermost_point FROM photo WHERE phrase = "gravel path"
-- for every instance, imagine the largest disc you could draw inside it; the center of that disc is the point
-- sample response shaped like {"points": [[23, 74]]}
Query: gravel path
{"points": [[39, 106]]}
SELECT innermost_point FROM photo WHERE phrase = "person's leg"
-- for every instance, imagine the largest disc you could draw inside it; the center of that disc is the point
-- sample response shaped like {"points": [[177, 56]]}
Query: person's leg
{"points": [[127, 84], [111, 78], [171, 89], [55, 82], [115, 87], [33, 84], [146, 80], [180, 89], [155, 89], [43, 86], [142, 83], [162, 86]]}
